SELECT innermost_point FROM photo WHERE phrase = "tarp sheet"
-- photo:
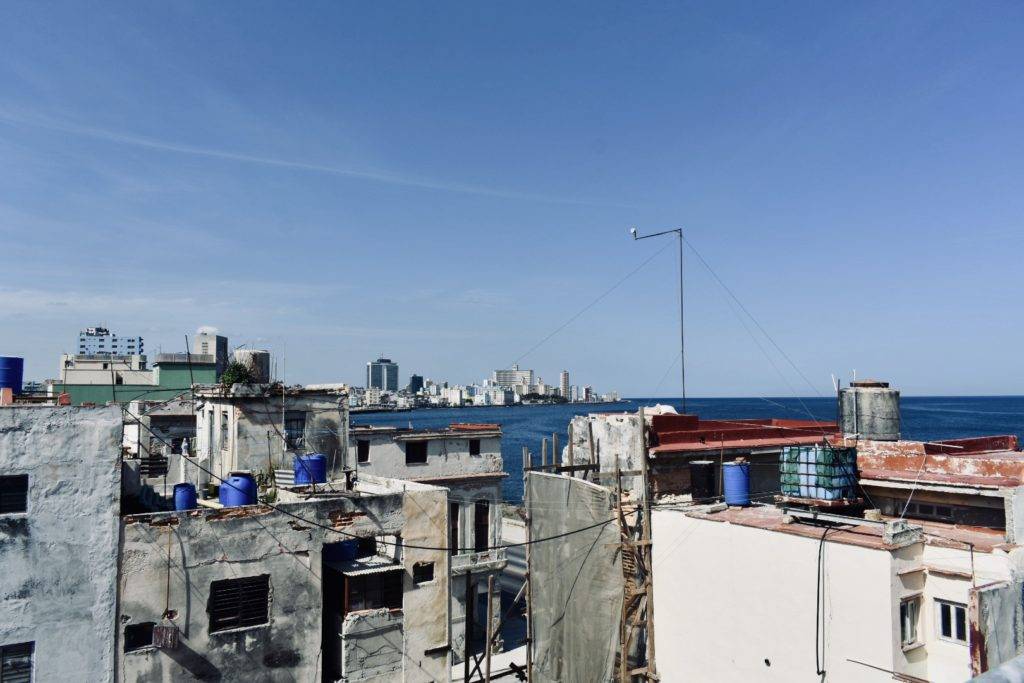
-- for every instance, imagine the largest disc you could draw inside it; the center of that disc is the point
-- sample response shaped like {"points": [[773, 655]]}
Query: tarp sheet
{"points": [[575, 581]]}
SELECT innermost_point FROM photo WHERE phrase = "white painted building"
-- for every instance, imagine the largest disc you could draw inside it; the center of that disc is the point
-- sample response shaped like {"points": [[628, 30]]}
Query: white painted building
{"points": [[100, 341], [738, 598]]}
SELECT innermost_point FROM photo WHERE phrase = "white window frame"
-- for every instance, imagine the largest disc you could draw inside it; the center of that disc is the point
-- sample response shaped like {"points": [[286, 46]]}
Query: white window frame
{"points": [[910, 622], [953, 606]]}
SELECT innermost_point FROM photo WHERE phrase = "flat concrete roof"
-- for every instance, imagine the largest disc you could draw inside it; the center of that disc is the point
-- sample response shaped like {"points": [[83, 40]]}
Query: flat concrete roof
{"points": [[771, 518]]}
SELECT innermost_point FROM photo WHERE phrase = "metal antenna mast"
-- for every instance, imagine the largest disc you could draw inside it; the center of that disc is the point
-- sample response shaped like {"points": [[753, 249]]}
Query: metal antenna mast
{"points": [[682, 343]]}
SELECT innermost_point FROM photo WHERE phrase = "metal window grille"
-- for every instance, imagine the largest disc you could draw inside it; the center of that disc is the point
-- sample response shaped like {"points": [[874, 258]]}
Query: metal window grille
{"points": [[374, 591], [16, 663], [238, 603], [294, 428], [14, 493]]}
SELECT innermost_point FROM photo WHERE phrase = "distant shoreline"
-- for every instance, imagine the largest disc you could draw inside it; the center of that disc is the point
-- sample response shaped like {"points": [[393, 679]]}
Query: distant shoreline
{"points": [[371, 411]]}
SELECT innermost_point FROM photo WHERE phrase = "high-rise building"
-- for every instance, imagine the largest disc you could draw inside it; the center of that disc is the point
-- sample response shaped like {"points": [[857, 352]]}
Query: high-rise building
{"points": [[415, 383], [563, 385], [382, 374], [98, 341], [509, 378], [208, 342]]}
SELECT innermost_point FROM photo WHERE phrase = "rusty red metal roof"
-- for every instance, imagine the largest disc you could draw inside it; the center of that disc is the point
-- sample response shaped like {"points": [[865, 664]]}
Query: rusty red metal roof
{"points": [[689, 433], [770, 518]]}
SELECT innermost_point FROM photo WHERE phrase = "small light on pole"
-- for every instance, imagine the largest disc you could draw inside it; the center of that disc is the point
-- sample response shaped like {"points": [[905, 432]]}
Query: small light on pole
{"points": [[682, 353]]}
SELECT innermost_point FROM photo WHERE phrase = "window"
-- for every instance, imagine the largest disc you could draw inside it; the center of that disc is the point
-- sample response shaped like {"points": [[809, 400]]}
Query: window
{"points": [[909, 609], [951, 621], [294, 427], [14, 493], [362, 451], [373, 591], [474, 446], [238, 603], [422, 572], [453, 528], [415, 452], [16, 663], [482, 526], [138, 636], [224, 439]]}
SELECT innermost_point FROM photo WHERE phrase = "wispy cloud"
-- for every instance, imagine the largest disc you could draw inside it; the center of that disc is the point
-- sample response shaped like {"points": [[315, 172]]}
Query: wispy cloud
{"points": [[372, 175]]}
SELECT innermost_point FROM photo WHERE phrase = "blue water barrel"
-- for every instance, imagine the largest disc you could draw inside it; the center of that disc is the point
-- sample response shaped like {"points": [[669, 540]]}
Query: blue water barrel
{"points": [[736, 480], [238, 489], [341, 552], [310, 468], [185, 497], [12, 372]]}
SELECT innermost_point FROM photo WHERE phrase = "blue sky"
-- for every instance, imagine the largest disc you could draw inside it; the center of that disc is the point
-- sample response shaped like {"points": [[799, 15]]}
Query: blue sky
{"points": [[448, 183]]}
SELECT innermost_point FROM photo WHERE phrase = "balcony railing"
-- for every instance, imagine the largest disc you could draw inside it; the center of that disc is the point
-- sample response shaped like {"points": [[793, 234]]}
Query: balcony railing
{"points": [[479, 562]]}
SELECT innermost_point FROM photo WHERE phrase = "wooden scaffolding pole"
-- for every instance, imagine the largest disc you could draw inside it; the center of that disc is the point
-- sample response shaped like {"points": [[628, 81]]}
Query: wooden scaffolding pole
{"points": [[635, 546], [529, 591]]}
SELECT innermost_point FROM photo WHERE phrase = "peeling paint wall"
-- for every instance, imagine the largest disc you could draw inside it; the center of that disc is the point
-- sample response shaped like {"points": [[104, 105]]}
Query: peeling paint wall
{"points": [[254, 435], [58, 561], [617, 439], [211, 545], [372, 647]]}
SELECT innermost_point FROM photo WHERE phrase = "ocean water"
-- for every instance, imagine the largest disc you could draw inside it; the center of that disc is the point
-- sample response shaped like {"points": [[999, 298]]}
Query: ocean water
{"points": [[923, 418]]}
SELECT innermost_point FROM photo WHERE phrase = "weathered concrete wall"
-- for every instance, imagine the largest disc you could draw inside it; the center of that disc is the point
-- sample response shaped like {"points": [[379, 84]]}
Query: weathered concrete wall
{"points": [[373, 643], [445, 456], [617, 439], [426, 605], [58, 561], [212, 545], [255, 431]]}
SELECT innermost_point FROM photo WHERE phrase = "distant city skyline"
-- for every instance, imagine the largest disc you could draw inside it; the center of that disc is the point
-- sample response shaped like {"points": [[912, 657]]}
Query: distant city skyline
{"points": [[456, 186]]}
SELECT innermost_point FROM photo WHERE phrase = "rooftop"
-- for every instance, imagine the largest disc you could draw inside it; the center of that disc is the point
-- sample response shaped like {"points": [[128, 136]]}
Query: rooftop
{"points": [[454, 430], [245, 391], [867, 535], [688, 433], [987, 462]]}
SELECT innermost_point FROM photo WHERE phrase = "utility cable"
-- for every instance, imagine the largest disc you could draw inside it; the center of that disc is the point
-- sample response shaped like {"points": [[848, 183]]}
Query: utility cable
{"points": [[749, 315], [382, 542], [591, 304], [819, 608]]}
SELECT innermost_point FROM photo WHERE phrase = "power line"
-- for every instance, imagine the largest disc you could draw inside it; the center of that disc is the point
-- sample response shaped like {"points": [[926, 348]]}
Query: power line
{"points": [[591, 304], [355, 536], [755, 321]]}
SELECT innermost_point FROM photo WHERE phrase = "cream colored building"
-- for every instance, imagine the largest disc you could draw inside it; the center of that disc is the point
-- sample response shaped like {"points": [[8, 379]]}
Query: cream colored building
{"points": [[737, 594]]}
